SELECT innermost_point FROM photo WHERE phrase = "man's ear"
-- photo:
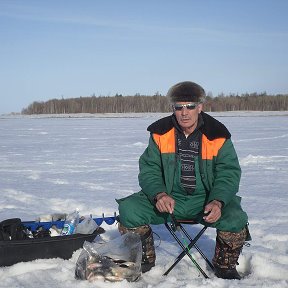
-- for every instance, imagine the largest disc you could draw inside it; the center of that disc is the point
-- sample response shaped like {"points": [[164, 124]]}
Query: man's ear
{"points": [[200, 107]]}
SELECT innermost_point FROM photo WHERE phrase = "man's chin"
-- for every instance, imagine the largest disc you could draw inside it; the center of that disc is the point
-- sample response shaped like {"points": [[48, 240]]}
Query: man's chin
{"points": [[186, 123]]}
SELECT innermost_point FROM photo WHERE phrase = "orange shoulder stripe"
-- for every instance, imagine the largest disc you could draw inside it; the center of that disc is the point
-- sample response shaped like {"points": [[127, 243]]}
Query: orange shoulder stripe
{"points": [[210, 149], [166, 142]]}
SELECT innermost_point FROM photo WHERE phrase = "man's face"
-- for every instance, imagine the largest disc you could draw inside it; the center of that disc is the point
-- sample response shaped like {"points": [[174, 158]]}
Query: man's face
{"points": [[187, 115]]}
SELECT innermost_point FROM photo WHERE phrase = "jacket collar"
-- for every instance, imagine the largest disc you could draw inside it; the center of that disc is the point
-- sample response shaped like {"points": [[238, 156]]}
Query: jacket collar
{"points": [[211, 127]]}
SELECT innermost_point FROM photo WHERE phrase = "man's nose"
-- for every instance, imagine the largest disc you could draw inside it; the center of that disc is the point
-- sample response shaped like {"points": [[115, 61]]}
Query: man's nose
{"points": [[184, 110]]}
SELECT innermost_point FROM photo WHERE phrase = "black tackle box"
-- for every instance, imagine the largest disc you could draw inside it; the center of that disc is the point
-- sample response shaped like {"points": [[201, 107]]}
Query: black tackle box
{"points": [[14, 251]]}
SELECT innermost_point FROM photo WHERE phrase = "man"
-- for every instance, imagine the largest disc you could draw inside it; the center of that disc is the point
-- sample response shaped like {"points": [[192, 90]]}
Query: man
{"points": [[190, 168]]}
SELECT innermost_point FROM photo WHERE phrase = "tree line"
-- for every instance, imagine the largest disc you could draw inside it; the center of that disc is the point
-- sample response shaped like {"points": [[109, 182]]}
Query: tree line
{"points": [[156, 103]]}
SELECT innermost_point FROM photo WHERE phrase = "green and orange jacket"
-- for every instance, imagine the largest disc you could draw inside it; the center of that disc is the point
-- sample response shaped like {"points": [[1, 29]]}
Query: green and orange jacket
{"points": [[219, 166]]}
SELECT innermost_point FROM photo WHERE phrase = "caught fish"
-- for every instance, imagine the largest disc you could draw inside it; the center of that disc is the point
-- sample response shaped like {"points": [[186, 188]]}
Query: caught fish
{"points": [[118, 260], [105, 268]]}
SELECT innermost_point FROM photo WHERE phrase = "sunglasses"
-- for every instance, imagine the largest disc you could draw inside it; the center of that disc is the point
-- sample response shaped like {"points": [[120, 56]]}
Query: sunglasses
{"points": [[189, 106]]}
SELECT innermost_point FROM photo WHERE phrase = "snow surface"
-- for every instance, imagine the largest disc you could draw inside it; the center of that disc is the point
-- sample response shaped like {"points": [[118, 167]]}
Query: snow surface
{"points": [[55, 164]]}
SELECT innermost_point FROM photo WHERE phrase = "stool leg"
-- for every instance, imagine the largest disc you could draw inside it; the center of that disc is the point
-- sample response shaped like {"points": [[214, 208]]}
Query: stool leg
{"points": [[185, 251], [197, 248]]}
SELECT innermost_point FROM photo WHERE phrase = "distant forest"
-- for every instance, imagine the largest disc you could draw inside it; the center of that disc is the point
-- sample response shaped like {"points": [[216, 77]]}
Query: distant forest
{"points": [[156, 103]]}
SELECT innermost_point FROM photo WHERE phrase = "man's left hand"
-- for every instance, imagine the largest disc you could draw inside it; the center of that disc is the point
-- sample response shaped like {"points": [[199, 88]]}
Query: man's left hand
{"points": [[213, 211]]}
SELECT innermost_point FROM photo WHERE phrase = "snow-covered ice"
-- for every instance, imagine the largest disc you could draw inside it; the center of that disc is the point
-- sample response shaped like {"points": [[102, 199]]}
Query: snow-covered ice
{"points": [[55, 164]]}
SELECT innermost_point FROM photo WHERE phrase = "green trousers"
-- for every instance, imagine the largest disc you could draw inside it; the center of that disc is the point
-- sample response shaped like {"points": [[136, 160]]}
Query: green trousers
{"points": [[137, 210]]}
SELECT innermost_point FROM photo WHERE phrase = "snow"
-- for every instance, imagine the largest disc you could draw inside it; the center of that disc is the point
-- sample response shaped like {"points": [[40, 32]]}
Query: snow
{"points": [[56, 164]]}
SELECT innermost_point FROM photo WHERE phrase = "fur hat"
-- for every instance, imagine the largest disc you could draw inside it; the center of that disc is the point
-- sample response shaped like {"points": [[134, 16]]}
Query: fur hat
{"points": [[186, 92]]}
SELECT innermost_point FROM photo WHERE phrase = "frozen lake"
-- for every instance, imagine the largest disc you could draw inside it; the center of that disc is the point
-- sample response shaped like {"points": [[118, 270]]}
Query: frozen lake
{"points": [[51, 164]]}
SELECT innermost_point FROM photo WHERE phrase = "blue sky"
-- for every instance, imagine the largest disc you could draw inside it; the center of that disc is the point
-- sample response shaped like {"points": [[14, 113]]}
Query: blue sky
{"points": [[54, 49]]}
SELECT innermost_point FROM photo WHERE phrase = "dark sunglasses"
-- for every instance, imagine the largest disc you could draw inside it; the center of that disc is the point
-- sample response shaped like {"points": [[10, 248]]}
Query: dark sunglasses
{"points": [[189, 106]]}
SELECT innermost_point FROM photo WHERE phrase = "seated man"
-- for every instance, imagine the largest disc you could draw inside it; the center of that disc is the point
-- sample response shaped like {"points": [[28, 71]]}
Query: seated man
{"points": [[190, 168]]}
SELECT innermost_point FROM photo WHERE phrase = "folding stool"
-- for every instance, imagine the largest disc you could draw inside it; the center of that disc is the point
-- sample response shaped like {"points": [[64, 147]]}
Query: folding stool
{"points": [[176, 225]]}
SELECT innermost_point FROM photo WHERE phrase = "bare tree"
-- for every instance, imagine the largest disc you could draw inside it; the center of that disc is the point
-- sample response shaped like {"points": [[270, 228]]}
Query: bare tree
{"points": [[156, 103]]}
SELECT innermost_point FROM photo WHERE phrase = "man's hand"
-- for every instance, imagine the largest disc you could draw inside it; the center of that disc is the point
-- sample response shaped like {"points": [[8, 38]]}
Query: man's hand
{"points": [[165, 203], [213, 211]]}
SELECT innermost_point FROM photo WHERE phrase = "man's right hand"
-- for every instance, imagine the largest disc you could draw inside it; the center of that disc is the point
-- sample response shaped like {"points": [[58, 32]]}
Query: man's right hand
{"points": [[165, 203]]}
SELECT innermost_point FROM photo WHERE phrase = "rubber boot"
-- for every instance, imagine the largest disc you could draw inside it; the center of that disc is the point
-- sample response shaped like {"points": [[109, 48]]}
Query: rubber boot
{"points": [[148, 249], [228, 248]]}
